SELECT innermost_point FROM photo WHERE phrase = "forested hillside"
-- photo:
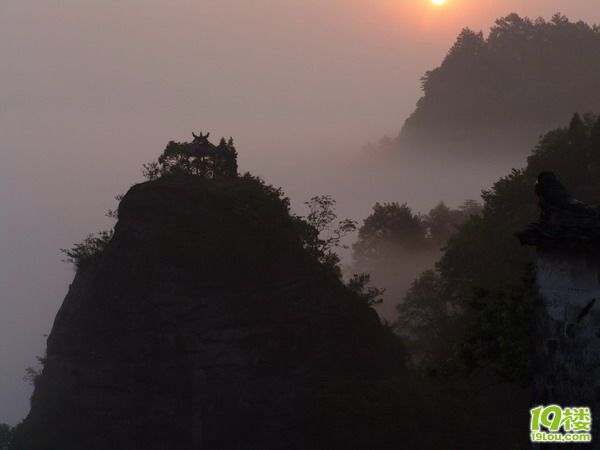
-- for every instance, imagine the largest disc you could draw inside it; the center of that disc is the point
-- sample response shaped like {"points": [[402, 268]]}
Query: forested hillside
{"points": [[476, 306], [495, 95]]}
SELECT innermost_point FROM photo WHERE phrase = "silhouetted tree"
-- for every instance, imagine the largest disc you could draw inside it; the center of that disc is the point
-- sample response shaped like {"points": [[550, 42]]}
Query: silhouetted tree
{"points": [[390, 228], [442, 222], [393, 229], [325, 233], [361, 285], [427, 320], [199, 157], [85, 251]]}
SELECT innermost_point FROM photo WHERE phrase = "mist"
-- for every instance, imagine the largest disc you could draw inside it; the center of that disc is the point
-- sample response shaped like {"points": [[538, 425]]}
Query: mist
{"points": [[92, 90]]}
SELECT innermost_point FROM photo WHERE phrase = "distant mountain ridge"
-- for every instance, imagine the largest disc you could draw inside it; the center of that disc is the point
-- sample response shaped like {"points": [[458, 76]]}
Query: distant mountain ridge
{"points": [[497, 95]]}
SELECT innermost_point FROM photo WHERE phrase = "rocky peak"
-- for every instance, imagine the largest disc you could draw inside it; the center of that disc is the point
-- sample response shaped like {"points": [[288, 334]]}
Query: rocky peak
{"points": [[204, 324]]}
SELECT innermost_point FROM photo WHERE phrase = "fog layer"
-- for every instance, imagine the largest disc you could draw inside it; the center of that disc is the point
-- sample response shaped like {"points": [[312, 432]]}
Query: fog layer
{"points": [[91, 90]]}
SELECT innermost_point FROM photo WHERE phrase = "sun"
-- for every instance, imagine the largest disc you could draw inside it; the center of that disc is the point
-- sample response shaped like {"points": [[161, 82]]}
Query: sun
{"points": [[439, 2]]}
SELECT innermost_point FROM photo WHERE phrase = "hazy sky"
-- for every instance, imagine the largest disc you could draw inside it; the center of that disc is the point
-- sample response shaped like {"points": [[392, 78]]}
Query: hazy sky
{"points": [[90, 90]]}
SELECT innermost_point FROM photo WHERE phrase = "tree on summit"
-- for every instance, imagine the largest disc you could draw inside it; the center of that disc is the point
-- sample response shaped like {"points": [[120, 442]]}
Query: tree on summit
{"points": [[199, 157]]}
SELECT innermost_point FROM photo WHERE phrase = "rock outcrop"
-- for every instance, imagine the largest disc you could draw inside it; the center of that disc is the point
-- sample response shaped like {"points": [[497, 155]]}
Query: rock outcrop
{"points": [[204, 324]]}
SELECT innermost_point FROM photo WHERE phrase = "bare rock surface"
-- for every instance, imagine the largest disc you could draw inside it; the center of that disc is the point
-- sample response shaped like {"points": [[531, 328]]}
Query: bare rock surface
{"points": [[204, 324]]}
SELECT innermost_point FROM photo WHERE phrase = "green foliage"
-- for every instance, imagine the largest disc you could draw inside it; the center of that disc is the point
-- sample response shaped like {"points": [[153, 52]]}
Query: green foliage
{"points": [[394, 229], [500, 336], [485, 274], [271, 192], [443, 222], [395, 245], [427, 321], [322, 233], [183, 158], [84, 252], [114, 213], [32, 374], [87, 250], [360, 284], [390, 228]]}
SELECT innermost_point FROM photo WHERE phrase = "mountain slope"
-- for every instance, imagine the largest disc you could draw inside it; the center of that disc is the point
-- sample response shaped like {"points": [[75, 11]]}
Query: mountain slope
{"points": [[496, 95], [203, 324]]}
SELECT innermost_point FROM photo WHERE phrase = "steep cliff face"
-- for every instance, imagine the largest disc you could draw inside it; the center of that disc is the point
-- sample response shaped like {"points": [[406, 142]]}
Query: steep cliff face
{"points": [[203, 325]]}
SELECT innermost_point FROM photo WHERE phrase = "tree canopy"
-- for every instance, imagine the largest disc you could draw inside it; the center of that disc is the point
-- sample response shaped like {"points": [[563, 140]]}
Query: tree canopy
{"points": [[199, 157], [393, 229]]}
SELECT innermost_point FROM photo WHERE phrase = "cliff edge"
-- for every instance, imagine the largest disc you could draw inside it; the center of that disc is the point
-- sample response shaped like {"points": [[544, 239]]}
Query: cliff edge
{"points": [[204, 324]]}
